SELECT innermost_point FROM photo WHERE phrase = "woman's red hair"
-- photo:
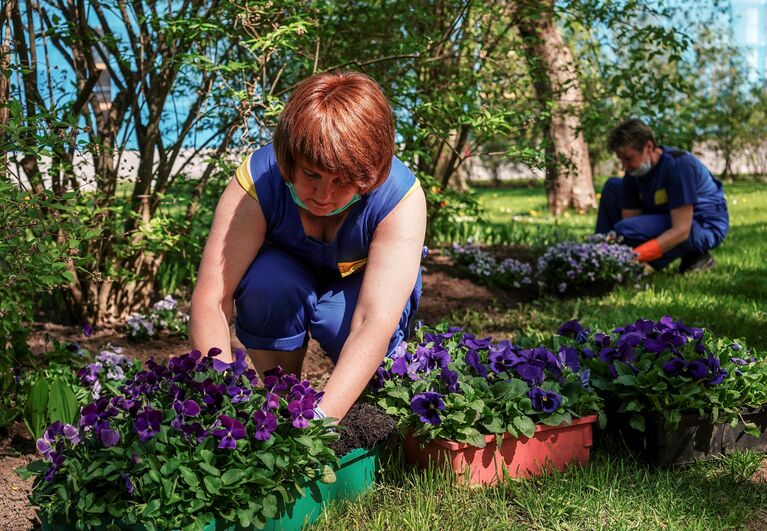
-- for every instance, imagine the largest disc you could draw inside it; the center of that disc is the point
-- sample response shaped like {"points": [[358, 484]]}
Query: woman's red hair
{"points": [[341, 123]]}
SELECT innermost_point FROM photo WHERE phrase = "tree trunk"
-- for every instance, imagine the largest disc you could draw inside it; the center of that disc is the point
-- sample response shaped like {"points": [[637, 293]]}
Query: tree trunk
{"points": [[569, 181]]}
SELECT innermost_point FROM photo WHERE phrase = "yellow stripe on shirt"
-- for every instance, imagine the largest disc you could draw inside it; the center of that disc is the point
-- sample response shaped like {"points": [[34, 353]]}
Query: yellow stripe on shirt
{"points": [[244, 178], [416, 186], [347, 268]]}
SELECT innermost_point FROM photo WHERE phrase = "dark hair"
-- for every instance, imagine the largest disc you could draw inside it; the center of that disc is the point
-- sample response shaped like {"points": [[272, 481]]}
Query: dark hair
{"points": [[341, 123], [632, 133]]}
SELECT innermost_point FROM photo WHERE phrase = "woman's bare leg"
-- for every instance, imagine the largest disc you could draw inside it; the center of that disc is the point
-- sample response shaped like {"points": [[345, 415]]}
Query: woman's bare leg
{"points": [[291, 362]]}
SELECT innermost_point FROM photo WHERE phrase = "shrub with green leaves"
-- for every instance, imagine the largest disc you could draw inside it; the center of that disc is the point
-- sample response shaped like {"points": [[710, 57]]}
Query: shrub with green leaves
{"points": [[184, 443], [670, 369], [452, 385], [32, 262]]}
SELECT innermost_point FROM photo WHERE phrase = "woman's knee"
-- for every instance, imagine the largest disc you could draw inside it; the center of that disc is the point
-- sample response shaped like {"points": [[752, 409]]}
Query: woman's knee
{"points": [[275, 299]]}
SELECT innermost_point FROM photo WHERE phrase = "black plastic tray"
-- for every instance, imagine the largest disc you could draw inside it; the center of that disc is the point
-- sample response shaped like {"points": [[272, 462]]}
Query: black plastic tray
{"points": [[696, 438]]}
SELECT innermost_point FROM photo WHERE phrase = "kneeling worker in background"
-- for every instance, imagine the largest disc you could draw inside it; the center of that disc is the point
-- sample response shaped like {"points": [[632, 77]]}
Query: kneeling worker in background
{"points": [[668, 205]]}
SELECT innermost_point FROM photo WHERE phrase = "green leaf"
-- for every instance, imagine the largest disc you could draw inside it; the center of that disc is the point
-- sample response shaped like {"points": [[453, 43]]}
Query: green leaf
{"points": [[189, 476], [270, 506], [206, 455], [627, 379], [152, 508], [637, 422], [752, 429], [555, 419], [328, 476], [213, 471], [36, 409], [212, 484], [495, 425], [233, 475], [267, 459], [525, 425], [170, 466], [473, 437], [62, 404]]}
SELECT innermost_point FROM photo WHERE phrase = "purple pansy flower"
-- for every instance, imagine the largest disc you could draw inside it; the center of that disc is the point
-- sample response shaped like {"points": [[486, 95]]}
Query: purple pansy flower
{"points": [[573, 329], [427, 406], [450, 379], [128, 484], [546, 401], [472, 360], [266, 424], [238, 366], [230, 432], [531, 372], [148, 424], [301, 412]]}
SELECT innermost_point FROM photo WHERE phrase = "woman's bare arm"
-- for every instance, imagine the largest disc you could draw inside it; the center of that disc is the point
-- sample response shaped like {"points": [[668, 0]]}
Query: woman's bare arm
{"points": [[235, 238], [390, 274]]}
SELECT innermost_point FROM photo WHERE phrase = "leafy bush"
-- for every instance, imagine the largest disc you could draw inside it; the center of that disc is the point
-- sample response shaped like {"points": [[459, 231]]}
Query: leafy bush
{"points": [[670, 369], [452, 385], [32, 262], [184, 442]]}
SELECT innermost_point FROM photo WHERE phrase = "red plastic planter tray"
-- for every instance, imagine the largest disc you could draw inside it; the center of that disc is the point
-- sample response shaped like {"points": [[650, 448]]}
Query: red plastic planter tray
{"points": [[552, 447]]}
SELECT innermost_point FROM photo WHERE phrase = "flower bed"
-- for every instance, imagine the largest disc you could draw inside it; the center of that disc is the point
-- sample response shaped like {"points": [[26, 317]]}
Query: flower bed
{"points": [[183, 444], [665, 375], [164, 315], [592, 267], [480, 264], [452, 386], [571, 268]]}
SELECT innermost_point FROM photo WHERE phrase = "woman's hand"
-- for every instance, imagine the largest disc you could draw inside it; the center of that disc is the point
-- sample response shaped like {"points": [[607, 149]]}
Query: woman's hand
{"points": [[238, 231], [394, 260]]}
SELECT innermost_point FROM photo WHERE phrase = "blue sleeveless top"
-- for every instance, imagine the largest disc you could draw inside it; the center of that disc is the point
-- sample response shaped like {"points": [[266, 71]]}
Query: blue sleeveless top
{"points": [[260, 176]]}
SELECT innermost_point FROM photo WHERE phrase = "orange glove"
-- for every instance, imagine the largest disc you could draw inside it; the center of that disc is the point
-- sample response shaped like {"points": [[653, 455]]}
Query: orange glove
{"points": [[648, 251]]}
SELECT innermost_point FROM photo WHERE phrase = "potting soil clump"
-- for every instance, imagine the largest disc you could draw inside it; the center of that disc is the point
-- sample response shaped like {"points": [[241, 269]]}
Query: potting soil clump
{"points": [[364, 426]]}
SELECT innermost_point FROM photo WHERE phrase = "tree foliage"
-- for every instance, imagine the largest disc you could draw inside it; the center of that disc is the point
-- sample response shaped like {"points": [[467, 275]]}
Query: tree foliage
{"points": [[208, 79]]}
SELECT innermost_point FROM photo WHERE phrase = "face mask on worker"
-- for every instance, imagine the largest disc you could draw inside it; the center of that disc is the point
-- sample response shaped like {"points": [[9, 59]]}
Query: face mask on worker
{"points": [[297, 200], [643, 168]]}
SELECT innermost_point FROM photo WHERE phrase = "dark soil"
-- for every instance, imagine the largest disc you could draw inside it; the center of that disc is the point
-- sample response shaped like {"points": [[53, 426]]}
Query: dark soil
{"points": [[364, 426]]}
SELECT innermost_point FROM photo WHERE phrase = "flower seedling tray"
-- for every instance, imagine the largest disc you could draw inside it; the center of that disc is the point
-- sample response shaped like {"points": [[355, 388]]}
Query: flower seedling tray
{"points": [[696, 438], [552, 447], [355, 475]]}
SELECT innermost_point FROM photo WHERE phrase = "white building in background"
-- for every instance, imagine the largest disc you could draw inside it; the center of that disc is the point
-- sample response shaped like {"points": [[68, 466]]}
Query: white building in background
{"points": [[190, 165]]}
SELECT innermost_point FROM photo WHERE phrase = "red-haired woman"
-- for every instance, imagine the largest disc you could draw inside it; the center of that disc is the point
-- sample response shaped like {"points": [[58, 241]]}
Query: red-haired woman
{"points": [[320, 233]]}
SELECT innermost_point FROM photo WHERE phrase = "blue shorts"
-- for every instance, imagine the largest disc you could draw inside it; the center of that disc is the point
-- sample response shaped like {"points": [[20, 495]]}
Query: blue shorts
{"points": [[279, 300]]}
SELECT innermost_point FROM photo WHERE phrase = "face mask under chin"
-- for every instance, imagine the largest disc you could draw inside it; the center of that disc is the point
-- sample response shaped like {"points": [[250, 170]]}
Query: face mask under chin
{"points": [[297, 200], [642, 170]]}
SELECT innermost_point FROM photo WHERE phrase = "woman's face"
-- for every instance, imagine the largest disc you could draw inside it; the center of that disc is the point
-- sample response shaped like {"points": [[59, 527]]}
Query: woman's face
{"points": [[321, 192]]}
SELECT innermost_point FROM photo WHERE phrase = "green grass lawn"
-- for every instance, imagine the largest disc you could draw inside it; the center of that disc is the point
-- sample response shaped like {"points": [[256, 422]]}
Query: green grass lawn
{"points": [[613, 491]]}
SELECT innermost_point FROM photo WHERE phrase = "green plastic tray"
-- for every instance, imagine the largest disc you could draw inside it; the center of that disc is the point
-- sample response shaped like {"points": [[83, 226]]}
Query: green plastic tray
{"points": [[354, 476]]}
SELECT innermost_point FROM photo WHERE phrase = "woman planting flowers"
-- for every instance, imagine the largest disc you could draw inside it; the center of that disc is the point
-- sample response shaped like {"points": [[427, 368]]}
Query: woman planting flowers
{"points": [[319, 233]]}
